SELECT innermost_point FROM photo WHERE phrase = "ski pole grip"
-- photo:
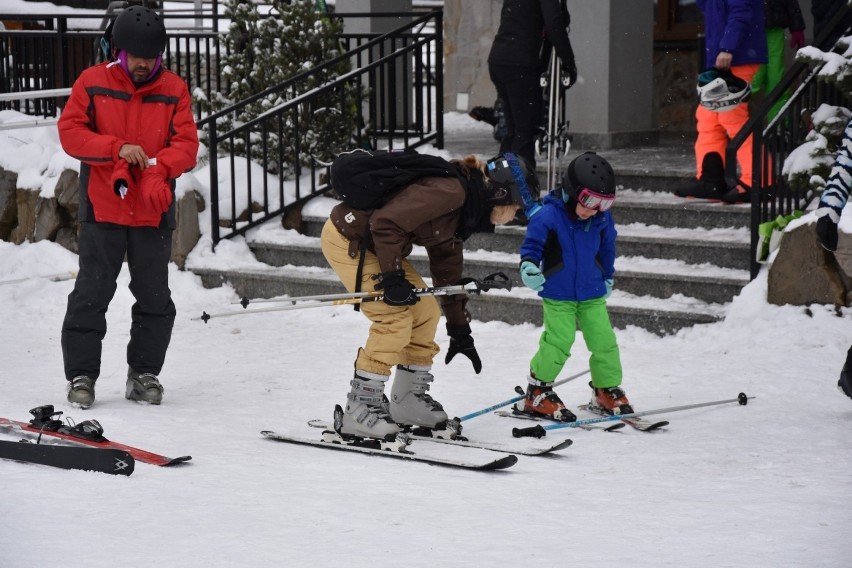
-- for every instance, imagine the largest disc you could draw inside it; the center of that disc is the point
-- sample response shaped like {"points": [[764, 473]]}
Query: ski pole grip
{"points": [[531, 432]]}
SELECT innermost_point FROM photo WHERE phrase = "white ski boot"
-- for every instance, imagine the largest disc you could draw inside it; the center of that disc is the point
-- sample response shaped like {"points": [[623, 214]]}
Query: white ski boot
{"points": [[366, 414], [409, 403]]}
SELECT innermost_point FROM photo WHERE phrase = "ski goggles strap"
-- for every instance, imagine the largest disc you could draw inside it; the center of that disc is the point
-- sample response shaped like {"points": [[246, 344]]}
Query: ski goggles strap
{"points": [[592, 200]]}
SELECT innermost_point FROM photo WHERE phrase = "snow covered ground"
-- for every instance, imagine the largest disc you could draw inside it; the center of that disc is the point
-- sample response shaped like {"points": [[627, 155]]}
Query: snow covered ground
{"points": [[763, 485]]}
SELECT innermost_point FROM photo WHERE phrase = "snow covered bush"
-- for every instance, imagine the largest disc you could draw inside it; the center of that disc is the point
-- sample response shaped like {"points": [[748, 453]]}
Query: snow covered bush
{"points": [[265, 49]]}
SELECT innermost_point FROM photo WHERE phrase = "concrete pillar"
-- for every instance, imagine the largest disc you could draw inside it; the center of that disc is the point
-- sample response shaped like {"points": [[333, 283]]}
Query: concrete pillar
{"points": [[393, 114], [613, 40]]}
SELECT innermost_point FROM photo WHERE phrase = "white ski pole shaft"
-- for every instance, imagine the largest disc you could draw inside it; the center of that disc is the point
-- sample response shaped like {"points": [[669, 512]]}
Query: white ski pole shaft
{"points": [[539, 431], [59, 277], [342, 299]]}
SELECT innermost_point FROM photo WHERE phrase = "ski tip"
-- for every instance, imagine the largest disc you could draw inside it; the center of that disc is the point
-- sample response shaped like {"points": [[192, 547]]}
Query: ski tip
{"points": [[176, 461], [501, 463]]}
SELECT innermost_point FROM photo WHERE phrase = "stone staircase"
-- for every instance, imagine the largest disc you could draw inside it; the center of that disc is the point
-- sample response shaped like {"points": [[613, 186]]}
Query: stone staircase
{"points": [[680, 262]]}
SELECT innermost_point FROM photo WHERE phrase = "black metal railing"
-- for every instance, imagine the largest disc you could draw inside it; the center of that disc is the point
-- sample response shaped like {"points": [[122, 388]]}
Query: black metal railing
{"points": [[396, 83], [49, 54], [774, 140], [397, 78]]}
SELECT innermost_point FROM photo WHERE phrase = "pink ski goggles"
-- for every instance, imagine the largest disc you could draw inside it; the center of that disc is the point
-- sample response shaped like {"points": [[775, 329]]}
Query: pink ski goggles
{"points": [[592, 200]]}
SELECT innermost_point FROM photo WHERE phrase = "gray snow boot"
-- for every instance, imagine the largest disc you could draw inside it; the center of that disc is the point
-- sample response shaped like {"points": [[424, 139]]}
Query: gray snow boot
{"points": [[409, 403], [81, 391], [366, 414], [143, 387]]}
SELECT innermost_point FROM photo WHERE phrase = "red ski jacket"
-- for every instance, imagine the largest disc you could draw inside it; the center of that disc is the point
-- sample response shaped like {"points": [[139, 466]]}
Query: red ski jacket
{"points": [[105, 111]]}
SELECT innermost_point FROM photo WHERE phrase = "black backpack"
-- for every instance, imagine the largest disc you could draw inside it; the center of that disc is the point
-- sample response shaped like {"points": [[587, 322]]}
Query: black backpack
{"points": [[366, 179]]}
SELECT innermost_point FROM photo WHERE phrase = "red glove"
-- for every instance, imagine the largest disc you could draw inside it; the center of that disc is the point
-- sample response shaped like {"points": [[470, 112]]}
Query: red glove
{"points": [[797, 39], [121, 176], [155, 188]]}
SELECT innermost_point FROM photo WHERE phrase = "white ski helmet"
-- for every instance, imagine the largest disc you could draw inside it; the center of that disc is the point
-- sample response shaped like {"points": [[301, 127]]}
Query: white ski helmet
{"points": [[721, 91]]}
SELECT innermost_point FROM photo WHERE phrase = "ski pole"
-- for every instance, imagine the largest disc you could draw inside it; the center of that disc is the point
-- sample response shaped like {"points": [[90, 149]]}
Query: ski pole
{"points": [[59, 277], [245, 301], [540, 431], [496, 280], [517, 398]]}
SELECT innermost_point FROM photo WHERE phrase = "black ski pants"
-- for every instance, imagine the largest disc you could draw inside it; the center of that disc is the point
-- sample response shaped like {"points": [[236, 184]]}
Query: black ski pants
{"points": [[520, 90], [103, 247]]}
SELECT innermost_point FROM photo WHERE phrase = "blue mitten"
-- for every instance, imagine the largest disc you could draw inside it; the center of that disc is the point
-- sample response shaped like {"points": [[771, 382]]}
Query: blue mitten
{"points": [[608, 283], [532, 276]]}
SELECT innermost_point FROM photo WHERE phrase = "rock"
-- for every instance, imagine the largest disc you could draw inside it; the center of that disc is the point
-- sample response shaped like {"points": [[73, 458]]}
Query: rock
{"points": [[804, 273]]}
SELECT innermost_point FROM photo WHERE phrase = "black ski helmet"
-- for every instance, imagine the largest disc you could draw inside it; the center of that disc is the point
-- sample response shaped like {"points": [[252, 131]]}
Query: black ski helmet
{"points": [[509, 176], [588, 171], [140, 32]]}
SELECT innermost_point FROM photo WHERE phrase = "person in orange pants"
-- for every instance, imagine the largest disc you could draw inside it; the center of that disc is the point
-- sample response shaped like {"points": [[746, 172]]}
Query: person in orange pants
{"points": [[716, 129], [735, 44]]}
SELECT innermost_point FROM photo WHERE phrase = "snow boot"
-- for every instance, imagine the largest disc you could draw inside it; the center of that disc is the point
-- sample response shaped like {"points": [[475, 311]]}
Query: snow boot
{"points": [[611, 400], [843, 383], [81, 391], [409, 403], [366, 414], [143, 387], [711, 184], [543, 401]]}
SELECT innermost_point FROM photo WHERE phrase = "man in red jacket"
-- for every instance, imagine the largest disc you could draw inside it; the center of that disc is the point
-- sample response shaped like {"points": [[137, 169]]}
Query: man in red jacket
{"points": [[129, 123]]}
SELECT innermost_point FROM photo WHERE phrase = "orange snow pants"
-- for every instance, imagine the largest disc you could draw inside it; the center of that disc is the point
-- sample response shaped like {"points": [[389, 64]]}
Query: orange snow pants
{"points": [[715, 129]]}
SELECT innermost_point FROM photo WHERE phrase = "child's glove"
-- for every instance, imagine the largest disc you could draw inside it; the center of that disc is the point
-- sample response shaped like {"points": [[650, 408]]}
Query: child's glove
{"points": [[608, 283], [797, 39], [155, 189], [532, 276]]}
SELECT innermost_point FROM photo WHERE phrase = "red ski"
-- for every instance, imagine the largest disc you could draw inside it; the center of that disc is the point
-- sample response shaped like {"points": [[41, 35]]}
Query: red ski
{"points": [[86, 433]]}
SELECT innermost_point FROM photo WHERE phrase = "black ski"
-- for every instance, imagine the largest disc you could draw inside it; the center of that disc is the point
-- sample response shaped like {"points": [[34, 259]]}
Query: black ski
{"points": [[398, 449], [638, 423], [86, 433], [114, 462], [426, 436]]}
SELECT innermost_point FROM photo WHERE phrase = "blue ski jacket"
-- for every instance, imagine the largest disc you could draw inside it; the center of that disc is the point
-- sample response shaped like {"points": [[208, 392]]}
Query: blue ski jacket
{"points": [[587, 250], [735, 26]]}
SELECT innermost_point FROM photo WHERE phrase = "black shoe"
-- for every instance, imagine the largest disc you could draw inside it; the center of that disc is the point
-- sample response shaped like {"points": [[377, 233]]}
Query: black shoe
{"points": [[699, 189], [736, 196], [483, 114], [843, 383]]}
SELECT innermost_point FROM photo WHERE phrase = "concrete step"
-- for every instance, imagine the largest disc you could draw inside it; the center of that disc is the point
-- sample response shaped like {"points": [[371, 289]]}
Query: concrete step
{"points": [[667, 210], [634, 275], [515, 306], [723, 247]]}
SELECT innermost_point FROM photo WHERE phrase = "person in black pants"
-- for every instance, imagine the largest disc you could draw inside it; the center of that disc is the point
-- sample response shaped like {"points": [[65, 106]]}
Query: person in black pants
{"points": [[517, 59]]}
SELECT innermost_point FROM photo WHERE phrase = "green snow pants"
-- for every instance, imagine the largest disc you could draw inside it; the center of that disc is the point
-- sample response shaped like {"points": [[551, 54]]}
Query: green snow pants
{"points": [[560, 329], [769, 74]]}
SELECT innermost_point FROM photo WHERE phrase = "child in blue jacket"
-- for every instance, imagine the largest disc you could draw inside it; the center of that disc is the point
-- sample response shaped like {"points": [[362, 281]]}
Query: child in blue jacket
{"points": [[568, 256]]}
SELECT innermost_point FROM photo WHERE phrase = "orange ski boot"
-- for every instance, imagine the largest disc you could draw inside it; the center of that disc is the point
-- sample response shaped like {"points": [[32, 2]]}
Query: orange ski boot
{"points": [[542, 401], [612, 400]]}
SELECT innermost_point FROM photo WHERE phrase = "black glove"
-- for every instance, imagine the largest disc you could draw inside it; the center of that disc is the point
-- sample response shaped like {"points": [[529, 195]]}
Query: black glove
{"points": [[569, 74], [826, 231], [462, 342], [397, 290]]}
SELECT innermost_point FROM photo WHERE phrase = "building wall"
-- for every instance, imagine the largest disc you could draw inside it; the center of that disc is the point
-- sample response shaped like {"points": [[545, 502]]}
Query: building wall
{"points": [[611, 106]]}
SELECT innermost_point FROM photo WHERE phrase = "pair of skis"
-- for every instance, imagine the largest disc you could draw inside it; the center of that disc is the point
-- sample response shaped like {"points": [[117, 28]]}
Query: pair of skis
{"points": [[553, 141], [398, 446], [81, 446]]}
